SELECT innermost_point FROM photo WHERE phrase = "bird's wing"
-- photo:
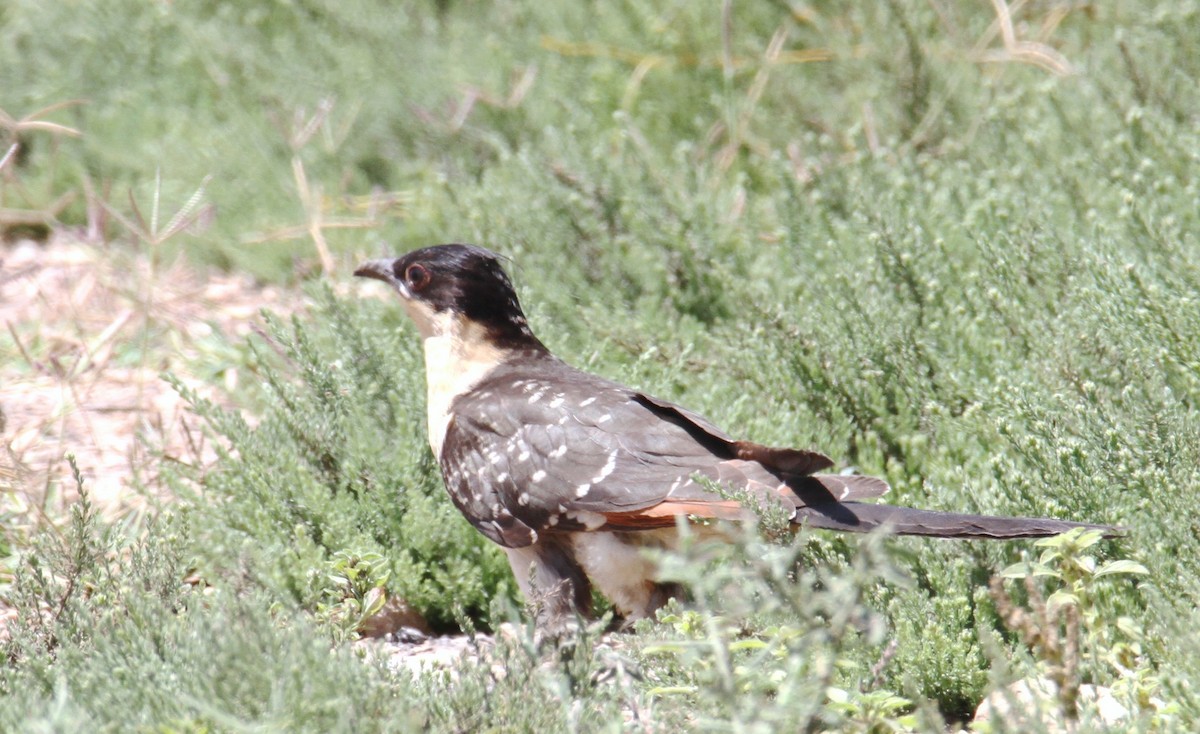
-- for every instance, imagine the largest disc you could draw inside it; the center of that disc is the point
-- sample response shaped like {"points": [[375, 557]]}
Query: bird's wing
{"points": [[565, 450], [783, 460]]}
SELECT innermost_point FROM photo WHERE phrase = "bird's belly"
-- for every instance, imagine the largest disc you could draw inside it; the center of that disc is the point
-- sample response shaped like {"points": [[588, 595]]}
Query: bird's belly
{"points": [[618, 565]]}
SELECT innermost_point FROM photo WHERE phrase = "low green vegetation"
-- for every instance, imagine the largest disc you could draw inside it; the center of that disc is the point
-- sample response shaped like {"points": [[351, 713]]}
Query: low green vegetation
{"points": [[950, 244]]}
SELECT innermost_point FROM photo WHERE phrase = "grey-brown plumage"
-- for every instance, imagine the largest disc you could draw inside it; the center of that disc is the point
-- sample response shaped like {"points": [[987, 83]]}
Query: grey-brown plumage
{"points": [[573, 474]]}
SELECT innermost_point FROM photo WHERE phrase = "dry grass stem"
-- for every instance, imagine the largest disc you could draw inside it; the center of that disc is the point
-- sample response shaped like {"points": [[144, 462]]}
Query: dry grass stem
{"points": [[1017, 49]]}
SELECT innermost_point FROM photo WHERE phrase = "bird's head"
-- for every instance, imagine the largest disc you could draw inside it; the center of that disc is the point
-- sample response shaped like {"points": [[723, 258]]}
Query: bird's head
{"points": [[449, 287]]}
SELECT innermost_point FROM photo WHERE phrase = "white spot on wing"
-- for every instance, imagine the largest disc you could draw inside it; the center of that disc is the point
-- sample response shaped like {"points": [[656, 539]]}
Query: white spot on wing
{"points": [[587, 402], [539, 475], [559, 452], [523, 499], [590, 520], [604, 418], [557, 401], [582, 490], [607, 469]]}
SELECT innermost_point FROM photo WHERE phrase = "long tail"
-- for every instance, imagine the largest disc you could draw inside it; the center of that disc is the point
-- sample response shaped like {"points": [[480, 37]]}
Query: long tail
{"points": [[856, 517]]}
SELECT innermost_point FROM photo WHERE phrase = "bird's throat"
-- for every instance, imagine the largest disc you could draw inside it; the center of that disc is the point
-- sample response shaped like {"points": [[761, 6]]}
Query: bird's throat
{"points": [[458, 356]]}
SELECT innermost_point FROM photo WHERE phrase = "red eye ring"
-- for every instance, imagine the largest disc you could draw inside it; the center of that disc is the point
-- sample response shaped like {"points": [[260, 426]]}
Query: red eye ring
{"points": [[417, 277]]}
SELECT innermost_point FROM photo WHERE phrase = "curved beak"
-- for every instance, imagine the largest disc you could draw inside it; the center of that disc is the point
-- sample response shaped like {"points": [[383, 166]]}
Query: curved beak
{"points": [[377, 269]]}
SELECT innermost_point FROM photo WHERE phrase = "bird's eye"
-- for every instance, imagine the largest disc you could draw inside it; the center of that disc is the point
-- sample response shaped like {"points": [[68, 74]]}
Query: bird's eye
{"points": [[417, 277]]}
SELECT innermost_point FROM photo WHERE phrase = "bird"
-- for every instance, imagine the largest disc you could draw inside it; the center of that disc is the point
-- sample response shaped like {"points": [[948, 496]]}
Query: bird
{"points": [[575, 475]]}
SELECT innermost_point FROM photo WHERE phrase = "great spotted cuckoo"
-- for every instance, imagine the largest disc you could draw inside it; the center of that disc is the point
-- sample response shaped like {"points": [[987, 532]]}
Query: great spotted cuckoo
{"points": [[574, 475]]}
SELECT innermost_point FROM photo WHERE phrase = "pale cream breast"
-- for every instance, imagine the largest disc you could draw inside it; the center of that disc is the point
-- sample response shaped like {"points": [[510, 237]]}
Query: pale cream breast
{"points": [[458, 356]]}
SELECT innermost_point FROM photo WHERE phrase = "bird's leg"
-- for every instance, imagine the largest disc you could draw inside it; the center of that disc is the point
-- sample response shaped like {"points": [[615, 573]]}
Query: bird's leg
{"points": [[660, 594], [552, 582], [663, 593]]}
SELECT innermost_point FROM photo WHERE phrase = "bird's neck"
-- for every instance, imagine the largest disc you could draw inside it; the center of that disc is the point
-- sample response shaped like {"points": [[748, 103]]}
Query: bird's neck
{"points": [[457, 358], [459, 354]]}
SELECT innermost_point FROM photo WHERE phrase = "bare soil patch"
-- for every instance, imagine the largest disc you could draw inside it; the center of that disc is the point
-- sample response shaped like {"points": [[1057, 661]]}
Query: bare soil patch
{"points": [[87, 332]]}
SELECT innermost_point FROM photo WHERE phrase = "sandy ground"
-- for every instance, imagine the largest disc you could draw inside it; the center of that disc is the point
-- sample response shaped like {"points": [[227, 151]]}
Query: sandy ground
{"points": [[87, 333]]}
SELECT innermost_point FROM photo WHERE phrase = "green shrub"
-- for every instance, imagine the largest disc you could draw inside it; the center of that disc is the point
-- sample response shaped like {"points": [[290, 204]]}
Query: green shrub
{"points": [[109, 637]]}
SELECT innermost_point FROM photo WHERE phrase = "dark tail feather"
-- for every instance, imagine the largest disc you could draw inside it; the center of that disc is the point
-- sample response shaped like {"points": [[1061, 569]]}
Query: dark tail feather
{"points": [[856, 517]]}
